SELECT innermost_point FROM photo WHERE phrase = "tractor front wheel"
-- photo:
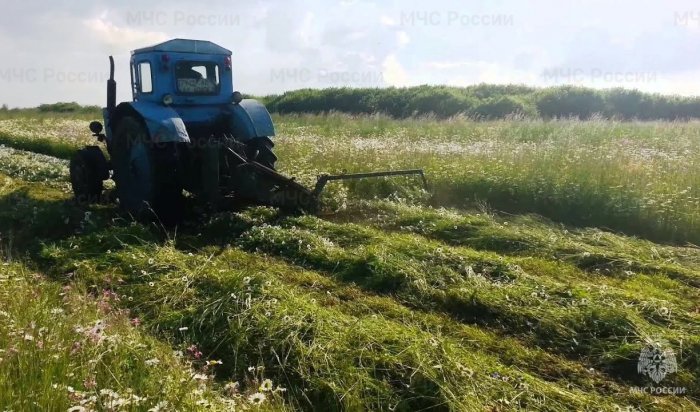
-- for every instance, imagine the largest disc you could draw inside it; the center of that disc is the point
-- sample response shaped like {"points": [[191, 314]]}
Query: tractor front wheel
{"points": [[88, 169]]}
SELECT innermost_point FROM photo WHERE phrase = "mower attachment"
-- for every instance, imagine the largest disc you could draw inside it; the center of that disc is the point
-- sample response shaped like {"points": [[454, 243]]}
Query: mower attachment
{"points": [[324, 179]]}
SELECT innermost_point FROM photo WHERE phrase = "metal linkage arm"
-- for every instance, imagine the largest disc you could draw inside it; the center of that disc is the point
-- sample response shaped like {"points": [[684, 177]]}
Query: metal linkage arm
{"points": [[324, 179]]}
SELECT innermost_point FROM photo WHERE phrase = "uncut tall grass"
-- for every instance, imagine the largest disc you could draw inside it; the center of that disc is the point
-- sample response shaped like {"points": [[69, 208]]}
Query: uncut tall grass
{"points": [[640, 178]]}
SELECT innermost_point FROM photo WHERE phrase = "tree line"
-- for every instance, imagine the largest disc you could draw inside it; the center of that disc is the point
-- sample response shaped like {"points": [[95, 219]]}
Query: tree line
{"points": [[486, 101]]}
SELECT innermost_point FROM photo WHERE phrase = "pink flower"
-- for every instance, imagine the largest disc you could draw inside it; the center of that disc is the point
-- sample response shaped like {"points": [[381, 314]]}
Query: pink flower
{"points": [[89, 382], [136, 322], [194, 352], [76, 348]]}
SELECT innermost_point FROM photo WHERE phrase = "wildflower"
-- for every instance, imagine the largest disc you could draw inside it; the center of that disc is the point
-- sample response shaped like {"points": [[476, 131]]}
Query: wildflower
{"points": [[257, 398], [150, 261], [200, 377], [135, 399], [194, 351], [95, 333], [184, 328], [214, 362], [77, 408], [108, 294], [231, 388], [28, 337], [464, 371], [136, 322], [266, 386], [90, 382], [246, 280], [152, 362], [151, 284], [159, 407]]}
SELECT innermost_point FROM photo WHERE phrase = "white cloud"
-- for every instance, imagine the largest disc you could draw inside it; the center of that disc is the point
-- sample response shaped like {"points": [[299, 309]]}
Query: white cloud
{"points": [[388, 21], [306, 31], [403, 38], [448, 65], [393, 72], [123, 38]]}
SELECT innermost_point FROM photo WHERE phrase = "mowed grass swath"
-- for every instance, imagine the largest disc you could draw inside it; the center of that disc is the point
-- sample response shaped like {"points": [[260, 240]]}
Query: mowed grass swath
{"points": [[417, 302]]}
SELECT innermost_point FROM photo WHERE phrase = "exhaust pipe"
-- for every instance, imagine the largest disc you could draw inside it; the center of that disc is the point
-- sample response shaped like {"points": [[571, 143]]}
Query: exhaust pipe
{"points": [[111, 88]]}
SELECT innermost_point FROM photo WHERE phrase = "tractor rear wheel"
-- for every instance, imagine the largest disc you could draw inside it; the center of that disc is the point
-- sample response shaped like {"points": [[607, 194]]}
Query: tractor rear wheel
{"points": [[260, 150], [146, 175], [88, 169]]}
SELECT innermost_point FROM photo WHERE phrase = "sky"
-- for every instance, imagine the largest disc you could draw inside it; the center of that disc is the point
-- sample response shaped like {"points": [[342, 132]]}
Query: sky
{"points": [[58, 50]]}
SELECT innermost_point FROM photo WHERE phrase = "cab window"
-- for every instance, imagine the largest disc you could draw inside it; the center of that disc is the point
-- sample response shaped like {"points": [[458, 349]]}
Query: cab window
{"points": [[197, 77], [145, 78]]}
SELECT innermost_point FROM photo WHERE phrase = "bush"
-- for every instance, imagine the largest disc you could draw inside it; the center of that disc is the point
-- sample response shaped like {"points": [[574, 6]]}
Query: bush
{"points": [[66, 107], [570, 101], [503, 106]]}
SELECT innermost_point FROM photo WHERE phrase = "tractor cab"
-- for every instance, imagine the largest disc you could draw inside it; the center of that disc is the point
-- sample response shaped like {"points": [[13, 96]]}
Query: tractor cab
{"points": [[182, 73]]}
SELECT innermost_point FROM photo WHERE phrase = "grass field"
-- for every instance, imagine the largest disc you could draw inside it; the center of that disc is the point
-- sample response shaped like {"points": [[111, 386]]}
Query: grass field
{"points": [[547, 255]]}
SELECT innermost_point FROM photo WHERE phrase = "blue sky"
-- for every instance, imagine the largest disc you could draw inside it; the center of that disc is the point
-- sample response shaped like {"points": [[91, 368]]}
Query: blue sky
{"points": [[57, 51]]}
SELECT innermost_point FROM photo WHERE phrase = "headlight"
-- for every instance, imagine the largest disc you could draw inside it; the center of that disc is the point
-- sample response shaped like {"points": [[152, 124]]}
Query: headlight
{"points": [[167, 99]]}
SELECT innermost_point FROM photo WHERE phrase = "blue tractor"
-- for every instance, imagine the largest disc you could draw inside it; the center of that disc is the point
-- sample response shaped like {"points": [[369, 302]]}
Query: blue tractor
{"points": [[186, 129]]}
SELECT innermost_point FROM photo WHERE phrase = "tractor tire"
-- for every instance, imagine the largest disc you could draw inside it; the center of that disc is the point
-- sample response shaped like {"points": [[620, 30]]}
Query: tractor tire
{"points": [[88, 169], [146, 175], [260, 150], [168, 200]]}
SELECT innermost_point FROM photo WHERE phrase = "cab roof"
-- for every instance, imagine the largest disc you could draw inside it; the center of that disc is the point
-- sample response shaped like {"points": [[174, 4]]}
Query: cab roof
{"points": [[185, 46]]}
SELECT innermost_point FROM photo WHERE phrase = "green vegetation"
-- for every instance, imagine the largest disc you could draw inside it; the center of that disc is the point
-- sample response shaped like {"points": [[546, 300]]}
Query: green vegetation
{"points": [[393, 300], [67, 348], [640, 178], [489, 102]]}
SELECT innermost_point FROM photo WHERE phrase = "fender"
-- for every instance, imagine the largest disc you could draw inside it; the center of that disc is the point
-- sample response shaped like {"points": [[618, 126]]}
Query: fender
{"points": [[164, 124], [250, 119]]}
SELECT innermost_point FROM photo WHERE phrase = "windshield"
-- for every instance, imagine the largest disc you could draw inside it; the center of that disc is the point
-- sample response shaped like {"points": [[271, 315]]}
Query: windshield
{"points": [[197, 77]]}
